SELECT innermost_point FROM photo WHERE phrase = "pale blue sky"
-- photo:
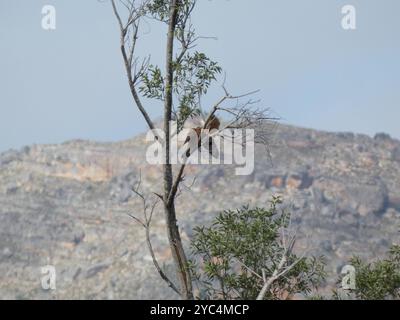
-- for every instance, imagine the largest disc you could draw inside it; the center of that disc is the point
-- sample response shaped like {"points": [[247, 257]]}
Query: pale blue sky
{"points": [[70, 83]]}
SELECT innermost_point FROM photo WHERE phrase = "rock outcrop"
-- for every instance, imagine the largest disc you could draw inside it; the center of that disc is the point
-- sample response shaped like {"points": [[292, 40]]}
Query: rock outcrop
{"points": [[67, 205]]}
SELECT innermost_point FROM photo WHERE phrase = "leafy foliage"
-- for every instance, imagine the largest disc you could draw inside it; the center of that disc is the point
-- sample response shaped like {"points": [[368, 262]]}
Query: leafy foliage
{"points": [[194, 72], [153, 83], [193, 75], [192, 78], [239, 246], [379, 280], [159, 9]]}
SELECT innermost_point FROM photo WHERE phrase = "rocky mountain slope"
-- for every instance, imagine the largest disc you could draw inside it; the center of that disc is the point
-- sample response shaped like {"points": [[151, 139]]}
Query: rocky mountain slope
{"points": [[66, 205]]}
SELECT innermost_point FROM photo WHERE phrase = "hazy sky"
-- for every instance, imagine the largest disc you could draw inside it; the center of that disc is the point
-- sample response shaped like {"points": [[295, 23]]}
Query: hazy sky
{"points": [[70, 83]]}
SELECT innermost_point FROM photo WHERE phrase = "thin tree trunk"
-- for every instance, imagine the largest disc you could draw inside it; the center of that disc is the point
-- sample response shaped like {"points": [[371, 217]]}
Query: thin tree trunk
{"points": [[174, 238]]}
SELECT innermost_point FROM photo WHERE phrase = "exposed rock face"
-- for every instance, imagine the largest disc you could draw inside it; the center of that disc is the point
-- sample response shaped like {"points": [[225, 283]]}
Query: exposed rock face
{"points": [[67, 206]]}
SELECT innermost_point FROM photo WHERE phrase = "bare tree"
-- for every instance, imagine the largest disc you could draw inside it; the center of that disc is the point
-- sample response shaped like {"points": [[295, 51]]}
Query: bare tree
{"points": [[180, 96]]}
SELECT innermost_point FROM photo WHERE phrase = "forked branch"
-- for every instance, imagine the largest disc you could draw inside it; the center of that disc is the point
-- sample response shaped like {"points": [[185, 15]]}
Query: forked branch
{"points": [[148, 211]]}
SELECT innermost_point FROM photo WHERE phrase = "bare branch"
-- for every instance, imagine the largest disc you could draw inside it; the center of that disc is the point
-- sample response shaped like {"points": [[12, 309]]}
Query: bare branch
{"points": [[288, 241], [146, 224], [134, 16], [243, 117], [250, 270]]}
